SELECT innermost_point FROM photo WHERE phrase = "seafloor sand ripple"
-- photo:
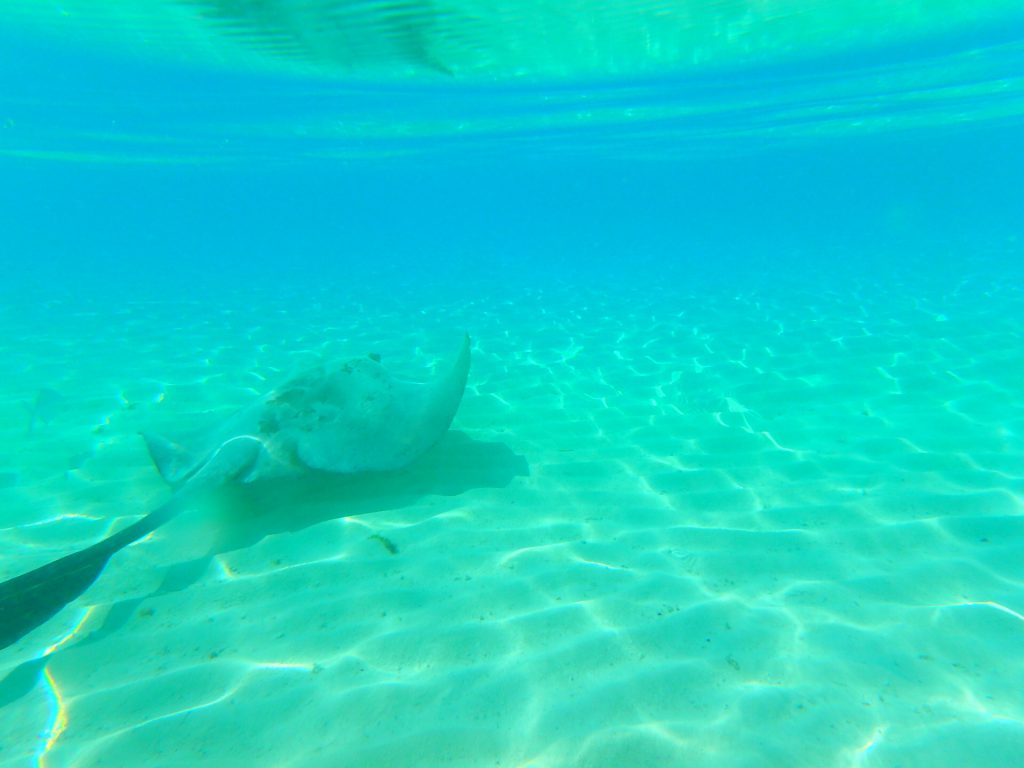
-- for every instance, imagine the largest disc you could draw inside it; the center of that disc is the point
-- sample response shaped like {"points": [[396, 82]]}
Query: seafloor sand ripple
{"points": [[670, 528]]}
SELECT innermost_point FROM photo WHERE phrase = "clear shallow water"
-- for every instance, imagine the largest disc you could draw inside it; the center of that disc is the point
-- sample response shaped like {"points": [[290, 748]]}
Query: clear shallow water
{"points": [[737, 478]]}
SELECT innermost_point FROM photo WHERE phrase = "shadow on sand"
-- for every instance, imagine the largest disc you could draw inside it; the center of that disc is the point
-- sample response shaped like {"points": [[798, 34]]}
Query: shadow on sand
{"points": [[252, 511]]}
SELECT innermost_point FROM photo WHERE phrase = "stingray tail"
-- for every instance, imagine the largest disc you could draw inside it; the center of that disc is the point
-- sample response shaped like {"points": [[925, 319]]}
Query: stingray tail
{"points": [[33, 598]]}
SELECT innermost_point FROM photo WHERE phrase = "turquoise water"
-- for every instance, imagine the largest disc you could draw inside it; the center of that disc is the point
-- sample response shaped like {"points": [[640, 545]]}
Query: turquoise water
{"points": [[738, 475]]}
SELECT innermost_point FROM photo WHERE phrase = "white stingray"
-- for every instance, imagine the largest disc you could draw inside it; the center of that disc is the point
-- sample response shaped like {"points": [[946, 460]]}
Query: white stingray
{"points": [[346, 417]]}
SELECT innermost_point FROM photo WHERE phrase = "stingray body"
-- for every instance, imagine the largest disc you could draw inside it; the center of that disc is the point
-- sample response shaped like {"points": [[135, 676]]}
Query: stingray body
{"points": [[346, 417], [342, 416]]}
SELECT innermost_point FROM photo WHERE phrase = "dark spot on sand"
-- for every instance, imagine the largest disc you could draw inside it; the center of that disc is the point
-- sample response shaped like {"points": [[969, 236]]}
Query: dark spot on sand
{"points": [[387, 543]]}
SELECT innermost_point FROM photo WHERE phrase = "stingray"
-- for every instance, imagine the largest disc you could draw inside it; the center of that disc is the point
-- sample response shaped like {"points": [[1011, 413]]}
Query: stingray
{"points": [[346, 417]]}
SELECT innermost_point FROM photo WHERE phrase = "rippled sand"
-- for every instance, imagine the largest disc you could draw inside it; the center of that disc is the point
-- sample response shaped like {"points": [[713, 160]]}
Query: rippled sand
{"points": [[669, 527]]}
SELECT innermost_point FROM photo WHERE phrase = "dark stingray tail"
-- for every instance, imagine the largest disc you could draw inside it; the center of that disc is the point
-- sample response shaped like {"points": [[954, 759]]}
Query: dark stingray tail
{"points": [[29, 600]]}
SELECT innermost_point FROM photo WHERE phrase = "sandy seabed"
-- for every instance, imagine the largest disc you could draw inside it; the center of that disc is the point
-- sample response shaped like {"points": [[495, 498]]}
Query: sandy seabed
{"points": [[669, 527]]}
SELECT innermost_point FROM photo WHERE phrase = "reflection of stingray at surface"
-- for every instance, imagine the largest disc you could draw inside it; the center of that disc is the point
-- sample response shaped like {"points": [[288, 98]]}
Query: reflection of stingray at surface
{"points": [[342, 417], [346, 34]]}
